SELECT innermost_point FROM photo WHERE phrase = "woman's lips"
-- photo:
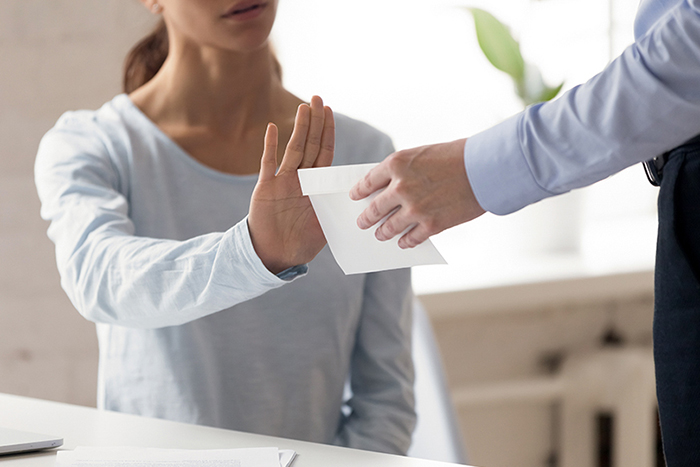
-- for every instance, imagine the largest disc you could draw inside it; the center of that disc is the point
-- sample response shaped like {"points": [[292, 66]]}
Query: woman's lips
{"points": [[246, 10]]}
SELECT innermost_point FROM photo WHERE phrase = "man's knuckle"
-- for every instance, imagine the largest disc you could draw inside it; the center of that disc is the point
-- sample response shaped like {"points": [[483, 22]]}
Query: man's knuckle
{"points": [[409, 211], [394, 162], [431, 225], [410, 239], [389, 229], [401, 187]]}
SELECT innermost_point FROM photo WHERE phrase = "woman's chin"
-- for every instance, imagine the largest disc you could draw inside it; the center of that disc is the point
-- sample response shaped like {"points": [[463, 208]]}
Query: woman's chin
{"points": [[249, 44]]}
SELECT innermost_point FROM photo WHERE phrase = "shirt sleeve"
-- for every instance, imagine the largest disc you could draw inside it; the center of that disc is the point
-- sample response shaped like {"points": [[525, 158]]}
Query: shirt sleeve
{"points": [[112, 276], [644, 103], [382, 415]]}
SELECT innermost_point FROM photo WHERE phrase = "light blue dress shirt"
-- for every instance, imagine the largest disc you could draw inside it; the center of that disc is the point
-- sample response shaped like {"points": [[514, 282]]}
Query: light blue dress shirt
{"points": [[644, 103]]}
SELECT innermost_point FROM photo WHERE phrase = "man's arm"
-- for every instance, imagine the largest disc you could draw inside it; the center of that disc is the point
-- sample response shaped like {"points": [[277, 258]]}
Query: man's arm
{"points": [[644, 103]]}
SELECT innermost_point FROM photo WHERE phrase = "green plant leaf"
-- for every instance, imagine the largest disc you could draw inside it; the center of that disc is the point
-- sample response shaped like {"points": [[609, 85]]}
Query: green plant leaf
{"points": [[549, 93], [498, 44]]}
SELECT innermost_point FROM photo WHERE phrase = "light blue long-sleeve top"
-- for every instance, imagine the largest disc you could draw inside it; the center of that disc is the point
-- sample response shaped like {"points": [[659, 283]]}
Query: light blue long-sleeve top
{"points": [[644, 103], [154, 247]]}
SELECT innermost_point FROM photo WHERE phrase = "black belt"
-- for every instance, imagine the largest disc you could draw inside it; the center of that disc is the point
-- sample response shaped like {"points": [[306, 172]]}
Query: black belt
{"points": [[654, 168]]}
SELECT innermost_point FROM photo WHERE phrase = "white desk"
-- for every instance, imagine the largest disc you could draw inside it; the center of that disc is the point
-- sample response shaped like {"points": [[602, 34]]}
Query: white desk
{"points": [[83, 426]]}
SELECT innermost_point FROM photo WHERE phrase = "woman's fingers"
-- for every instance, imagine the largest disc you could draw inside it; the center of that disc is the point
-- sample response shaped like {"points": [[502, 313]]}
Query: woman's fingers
{"points": [[294, 153], [313, 138], [327, 148], [268, 162]]}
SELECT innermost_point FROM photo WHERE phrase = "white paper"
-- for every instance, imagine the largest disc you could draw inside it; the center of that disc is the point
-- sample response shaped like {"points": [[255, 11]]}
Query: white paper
{"points": [[356, 250], [286, 457], [152, 457]]}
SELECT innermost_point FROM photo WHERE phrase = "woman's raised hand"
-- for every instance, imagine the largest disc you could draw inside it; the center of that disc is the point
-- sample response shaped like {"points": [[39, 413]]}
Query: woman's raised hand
{"points": [[283, 226]]}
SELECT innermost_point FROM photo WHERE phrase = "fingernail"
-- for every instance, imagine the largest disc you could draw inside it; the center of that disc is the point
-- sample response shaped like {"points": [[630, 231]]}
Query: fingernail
{"points": [[361, 223], [380, 235]]}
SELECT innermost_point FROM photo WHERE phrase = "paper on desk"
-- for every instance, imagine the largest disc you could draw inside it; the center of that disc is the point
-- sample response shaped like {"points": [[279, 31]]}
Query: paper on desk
{"points": [[152, 457], [356, 250]]}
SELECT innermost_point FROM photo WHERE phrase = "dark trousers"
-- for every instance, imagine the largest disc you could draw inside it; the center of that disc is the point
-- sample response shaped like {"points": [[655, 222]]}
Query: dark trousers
{"points": [[677, 306]]}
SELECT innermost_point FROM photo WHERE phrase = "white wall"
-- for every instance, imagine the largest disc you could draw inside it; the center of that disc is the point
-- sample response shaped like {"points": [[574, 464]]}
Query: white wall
{"points": [[55, 55]]}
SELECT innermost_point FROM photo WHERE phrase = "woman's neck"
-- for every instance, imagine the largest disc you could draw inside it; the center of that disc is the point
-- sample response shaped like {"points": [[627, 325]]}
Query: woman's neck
{"points": [[216, 105], [222, 91]]}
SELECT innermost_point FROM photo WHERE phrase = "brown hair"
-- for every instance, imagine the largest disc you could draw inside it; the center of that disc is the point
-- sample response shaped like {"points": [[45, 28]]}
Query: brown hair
{"points": [[145, 58], [148, 55]]}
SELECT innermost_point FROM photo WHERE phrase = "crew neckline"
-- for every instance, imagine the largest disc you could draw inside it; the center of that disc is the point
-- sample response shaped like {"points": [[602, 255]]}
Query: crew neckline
{"points": [[178, 150]]}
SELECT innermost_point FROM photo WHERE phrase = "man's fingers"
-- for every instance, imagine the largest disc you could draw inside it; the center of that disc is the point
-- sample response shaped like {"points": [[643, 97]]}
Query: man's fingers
{"points": [[294, 153], [414, 237], [268, 162], [379, 208], [394, 225], [315, 132], [325, 154], [375, 179]]}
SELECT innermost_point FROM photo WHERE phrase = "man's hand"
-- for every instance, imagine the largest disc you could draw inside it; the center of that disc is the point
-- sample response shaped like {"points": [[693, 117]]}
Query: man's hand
{"points": [[283, 226], [427, 186]]}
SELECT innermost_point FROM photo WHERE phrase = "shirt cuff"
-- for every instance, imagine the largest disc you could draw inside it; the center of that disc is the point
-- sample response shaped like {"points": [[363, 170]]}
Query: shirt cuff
{"points": [[258, 268], [292, 273], [498, 171]]}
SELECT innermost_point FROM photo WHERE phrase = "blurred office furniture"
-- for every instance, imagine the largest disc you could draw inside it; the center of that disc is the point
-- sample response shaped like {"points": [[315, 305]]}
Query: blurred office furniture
{"points": [[616, 383], [437, 435], [509, 350]]}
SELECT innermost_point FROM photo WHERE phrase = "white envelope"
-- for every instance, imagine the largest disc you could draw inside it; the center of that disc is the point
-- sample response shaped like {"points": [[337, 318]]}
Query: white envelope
{"points": [[356, 250]]}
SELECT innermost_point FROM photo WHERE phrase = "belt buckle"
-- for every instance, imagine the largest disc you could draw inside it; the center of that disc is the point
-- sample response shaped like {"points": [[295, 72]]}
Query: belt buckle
{"points": [[654, 168]]}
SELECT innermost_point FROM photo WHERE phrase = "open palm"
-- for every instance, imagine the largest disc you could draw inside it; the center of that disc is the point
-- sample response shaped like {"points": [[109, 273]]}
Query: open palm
{"points": [[283, 226]]}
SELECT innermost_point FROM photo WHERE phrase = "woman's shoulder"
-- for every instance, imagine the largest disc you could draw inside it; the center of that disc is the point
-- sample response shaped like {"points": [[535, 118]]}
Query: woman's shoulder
{"points": [[107, 118], [101, 127], [86, 138], [357, 142]]}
